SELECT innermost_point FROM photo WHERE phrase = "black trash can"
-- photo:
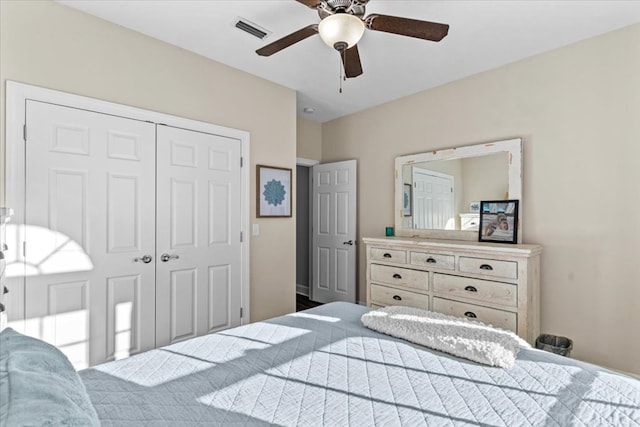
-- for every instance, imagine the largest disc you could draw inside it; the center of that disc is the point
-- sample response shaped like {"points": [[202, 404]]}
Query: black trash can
{"points": [[554, 344]]}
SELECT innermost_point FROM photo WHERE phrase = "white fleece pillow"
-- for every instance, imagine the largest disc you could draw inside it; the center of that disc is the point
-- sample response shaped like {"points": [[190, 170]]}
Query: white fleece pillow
{"points": [[460, 337]]}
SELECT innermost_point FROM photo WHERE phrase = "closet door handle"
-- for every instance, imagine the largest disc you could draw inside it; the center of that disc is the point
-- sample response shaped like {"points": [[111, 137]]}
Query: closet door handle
{"points": [[431, 260], [165, 257], [397, 276], [145, 258], [397, 297], [470, 314], [471, 289], [486, 267], [350, 243]]}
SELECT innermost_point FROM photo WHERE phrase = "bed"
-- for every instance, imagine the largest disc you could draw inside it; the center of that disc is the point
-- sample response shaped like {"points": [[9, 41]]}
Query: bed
{"points": [[323, 367]]}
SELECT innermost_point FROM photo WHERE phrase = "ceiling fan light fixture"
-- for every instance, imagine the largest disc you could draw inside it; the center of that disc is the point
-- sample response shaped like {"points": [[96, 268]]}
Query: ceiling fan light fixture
{"points": [[341, 29]]}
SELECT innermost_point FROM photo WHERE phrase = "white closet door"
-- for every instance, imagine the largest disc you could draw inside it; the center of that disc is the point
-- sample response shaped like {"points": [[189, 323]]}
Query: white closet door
{"points": [[90, 211], [198, 197]]}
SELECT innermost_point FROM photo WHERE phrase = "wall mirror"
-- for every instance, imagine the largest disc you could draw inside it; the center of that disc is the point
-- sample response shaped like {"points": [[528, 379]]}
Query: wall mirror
{"points": [[437, 193]]}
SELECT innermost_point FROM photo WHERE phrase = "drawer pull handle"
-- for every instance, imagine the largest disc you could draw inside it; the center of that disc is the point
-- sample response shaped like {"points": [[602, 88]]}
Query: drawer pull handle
{"points": [[486, 267], [397, 297], [431, 260], [397, 276], [471, 289], [470, 314], [387, 255]]}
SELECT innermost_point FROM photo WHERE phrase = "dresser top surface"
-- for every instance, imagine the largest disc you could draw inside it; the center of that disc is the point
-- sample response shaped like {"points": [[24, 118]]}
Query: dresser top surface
{"points": [[422, 243]]}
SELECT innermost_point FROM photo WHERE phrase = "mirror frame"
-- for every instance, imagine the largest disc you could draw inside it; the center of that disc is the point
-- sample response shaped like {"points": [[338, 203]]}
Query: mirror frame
{"points": [[513, 147]]}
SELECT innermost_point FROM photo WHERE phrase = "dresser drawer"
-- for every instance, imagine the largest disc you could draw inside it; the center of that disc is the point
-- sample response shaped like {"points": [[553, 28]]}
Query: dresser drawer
{"points": [[445, 262], [390, 255], [400, 276], [481, 290], [498, 318], [489, 267], [389, 296], [469, 221]]}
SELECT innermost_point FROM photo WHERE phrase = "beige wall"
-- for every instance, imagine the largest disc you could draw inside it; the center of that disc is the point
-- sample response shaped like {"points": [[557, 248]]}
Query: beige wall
{"points": [[46, 44], [577, 110], [309, 139], [485, 178]]}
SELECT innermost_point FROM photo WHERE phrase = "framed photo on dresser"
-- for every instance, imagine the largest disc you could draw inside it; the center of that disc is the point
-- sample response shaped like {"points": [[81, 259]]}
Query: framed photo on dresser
{"points": [[498, 221]]}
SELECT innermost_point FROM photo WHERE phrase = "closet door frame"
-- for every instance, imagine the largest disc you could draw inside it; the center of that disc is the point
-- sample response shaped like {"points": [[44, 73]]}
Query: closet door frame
{"points": [[16, 97]]}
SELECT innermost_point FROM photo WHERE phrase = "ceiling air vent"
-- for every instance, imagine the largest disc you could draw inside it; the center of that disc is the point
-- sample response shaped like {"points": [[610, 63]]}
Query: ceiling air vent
{"points": [[251, 28]]}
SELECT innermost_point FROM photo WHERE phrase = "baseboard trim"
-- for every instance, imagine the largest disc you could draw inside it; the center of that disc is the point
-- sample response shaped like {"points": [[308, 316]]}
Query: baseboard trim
{"points": [[302, 290]]}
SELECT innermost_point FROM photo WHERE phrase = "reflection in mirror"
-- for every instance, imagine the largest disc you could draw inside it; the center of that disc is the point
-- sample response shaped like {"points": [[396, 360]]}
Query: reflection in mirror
{"points": [[438, 192], [445, 193]]}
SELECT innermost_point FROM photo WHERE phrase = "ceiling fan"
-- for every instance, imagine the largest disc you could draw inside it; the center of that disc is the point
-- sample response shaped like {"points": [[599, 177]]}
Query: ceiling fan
{"points": [[342, 25]]}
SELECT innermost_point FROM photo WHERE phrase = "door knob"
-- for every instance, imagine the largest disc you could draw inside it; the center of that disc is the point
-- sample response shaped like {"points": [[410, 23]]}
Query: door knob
{"points": [[165, 257], [145, 258], [350, 243]]}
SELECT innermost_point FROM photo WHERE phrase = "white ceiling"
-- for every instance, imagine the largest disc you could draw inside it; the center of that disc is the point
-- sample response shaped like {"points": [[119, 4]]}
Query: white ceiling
{"points": [[482, 35]]}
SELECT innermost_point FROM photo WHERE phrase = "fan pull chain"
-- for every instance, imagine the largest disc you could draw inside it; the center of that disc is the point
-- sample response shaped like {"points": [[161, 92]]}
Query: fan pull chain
{"points": [[344, 62]]}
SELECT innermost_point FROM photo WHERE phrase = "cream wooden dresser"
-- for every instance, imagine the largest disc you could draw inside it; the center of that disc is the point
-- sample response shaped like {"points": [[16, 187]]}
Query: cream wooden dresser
{"points": [[494, 283]]}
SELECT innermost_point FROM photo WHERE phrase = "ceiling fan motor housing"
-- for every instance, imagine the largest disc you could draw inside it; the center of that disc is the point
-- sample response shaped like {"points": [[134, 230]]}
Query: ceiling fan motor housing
{"points": [[352, 7]]}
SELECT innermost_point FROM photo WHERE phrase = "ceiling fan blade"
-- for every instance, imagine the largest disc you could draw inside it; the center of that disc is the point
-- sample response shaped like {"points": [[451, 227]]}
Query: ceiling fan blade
{"points": [[287, 41], [351, 62], [313, 4], [407, 27]]}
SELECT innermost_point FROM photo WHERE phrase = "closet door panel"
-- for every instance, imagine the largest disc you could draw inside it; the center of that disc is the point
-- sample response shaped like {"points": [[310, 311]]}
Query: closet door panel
{"points": [[89, 213], [125, 324], [199, 210], [183, 212], [182, 306]]}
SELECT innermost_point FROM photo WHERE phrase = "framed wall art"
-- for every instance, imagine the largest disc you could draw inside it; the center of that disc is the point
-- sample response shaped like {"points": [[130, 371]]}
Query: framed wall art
{"points": [[498, 221], [406, 201], [273, 191]]}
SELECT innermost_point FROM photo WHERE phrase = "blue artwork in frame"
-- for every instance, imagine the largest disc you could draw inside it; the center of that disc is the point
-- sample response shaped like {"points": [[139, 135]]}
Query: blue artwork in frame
{"points": [[406, 200], [273, 191]]}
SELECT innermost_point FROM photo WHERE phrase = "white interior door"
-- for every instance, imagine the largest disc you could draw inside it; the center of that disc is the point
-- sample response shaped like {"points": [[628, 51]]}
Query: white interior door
{"points": [[89, 213], [433, 200], [334, 232], [198, 240]]}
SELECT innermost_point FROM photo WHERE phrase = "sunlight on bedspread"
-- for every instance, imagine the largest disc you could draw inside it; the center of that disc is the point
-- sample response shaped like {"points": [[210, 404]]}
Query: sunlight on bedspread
{"points": [[167, 364], [316, 317]]}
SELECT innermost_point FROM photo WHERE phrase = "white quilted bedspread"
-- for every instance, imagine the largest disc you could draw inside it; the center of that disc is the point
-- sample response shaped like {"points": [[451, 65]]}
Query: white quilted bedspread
{"points": [[322, 367]]}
